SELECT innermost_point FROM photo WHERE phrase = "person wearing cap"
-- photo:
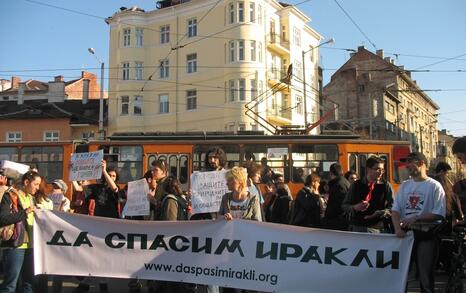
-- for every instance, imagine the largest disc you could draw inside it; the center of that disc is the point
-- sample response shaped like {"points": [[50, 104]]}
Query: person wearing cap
{"points": [[369, 199], [420, 199], [60, 201]]}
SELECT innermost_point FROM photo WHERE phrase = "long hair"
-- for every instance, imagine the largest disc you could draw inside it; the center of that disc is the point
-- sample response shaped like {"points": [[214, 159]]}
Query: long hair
{"points": [[41, 194], [219, 153], [173, 186]]}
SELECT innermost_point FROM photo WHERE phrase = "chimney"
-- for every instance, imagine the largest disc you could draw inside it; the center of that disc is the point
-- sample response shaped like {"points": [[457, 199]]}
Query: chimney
{"points": [[388, 59], [15, 80], [380, 53], [360, 48], [85, 97], [59, 78], [21, 88]]}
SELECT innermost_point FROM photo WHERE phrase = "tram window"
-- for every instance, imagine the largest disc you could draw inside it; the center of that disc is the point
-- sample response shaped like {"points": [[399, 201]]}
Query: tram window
{"points": [[150, 160], [271, 157], [173, 166], [312, 158], [362, 165], [231, 150], [128, 161], [47, 160], [353, 164], [9, 153], [184, 169]]}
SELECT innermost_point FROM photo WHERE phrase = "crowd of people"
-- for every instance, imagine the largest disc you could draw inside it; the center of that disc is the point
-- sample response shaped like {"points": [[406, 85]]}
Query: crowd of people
{"points": [[345, 203]]}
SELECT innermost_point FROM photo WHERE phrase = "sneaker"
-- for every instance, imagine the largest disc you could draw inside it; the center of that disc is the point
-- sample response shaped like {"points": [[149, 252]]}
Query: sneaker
{"points": [[81, 288]]}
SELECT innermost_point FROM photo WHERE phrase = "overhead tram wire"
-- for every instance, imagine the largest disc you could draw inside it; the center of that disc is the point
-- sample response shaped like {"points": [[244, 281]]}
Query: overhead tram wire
{"points": [[355, 24], [442, 61]]}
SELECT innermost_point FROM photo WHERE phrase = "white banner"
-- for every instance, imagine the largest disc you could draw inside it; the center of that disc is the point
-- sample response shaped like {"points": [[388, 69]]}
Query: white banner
{"points": [[239, 254], [137, 203], [207, 191], [86, 166]]}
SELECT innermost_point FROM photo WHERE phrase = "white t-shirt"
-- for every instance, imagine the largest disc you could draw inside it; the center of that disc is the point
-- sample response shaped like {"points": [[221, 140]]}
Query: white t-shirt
{"points": [[415, 198], [237, 208]]}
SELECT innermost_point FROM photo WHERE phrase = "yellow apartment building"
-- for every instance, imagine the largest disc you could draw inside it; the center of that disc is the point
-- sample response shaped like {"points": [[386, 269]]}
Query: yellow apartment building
{"points": [[196, 65]]}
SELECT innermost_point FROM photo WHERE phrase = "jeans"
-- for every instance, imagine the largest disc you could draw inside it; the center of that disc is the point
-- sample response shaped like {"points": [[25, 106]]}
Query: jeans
{"points": [[425, 251], [17, 262]]}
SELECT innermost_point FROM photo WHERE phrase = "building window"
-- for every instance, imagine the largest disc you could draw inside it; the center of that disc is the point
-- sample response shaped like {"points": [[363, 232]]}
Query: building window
{"points": [[87, 135], [231, 90], [51, 135], [259, 13], [124, 105], [252, 12], [297, 36], [164, 68], [138, 70], [139, 37], [15, 136], [126, 37], [191, 100], [259, 48], [241, 50], [163, 103], [253, 50], [192, 28], [253, 89], [125, 70], [361, 88], [164, 34], [240, 11], [137, 105], [242, 89], [231, 13], [241, 127], [232, 51], [375, 108], [299, 105], [192, 62], [298, 69]]}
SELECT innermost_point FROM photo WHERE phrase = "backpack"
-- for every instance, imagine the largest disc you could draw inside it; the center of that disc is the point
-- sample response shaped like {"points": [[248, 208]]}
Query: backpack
{"points": [[182, 207]]}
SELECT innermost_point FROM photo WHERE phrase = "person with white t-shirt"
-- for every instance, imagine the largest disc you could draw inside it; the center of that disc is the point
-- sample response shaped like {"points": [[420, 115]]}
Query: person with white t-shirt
{"points": [[420, 199]]}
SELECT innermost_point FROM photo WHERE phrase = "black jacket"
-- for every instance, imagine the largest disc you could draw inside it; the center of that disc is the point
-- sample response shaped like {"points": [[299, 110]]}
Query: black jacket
{"points": [[334, 215], [278, 210], [382, 199], [8, 218], [306, 209]]}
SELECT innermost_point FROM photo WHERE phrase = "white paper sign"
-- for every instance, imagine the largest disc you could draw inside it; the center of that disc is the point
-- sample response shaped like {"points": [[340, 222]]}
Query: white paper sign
{"points": [[207, 191], [13, 169], [137, 203], [239, 254], [273, 153], [57, 199], [86, 166]]}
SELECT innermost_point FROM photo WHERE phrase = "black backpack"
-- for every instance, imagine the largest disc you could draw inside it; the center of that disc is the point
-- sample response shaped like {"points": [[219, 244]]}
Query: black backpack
{"points": [[182, 207]]}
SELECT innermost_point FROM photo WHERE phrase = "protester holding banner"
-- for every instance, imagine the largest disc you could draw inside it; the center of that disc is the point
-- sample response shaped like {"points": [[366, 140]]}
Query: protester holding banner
{"points": [[369, 199], [105, 194], [308, 205], [420, 199], [60, 201], [17, 208], [280, 207], [215, 160], [41, 199], [239, 203]]}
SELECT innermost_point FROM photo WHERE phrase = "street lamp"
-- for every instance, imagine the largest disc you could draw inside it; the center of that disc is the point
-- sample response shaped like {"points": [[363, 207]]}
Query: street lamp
{"points": [[331, 41], [101, 100]]}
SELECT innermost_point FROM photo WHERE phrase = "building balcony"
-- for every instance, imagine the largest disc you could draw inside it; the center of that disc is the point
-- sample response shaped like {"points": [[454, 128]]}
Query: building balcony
{"points": [[278, 45], [279, 117], [278, 79]]}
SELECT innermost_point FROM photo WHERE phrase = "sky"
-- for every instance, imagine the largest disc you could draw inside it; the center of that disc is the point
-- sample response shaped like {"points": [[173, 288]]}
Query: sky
{"points": [[40, 41]]}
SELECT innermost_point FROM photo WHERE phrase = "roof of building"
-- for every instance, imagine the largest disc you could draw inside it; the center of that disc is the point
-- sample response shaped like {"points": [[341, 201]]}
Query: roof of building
{"points": [[78, 112], [31, 85], [389, 66]]}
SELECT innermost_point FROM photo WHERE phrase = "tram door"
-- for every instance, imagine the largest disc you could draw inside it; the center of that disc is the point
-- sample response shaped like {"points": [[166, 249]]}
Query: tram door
{"points": [[177, 165]]}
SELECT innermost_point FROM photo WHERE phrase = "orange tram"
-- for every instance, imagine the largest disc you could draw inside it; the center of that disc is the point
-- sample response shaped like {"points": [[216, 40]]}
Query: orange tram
{"points": [[294, 156]]}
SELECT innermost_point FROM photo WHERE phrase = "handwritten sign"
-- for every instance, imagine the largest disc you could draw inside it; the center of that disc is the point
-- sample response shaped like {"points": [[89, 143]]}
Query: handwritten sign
{"points": [[137, 203], [86, 166], [207, 191]]}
